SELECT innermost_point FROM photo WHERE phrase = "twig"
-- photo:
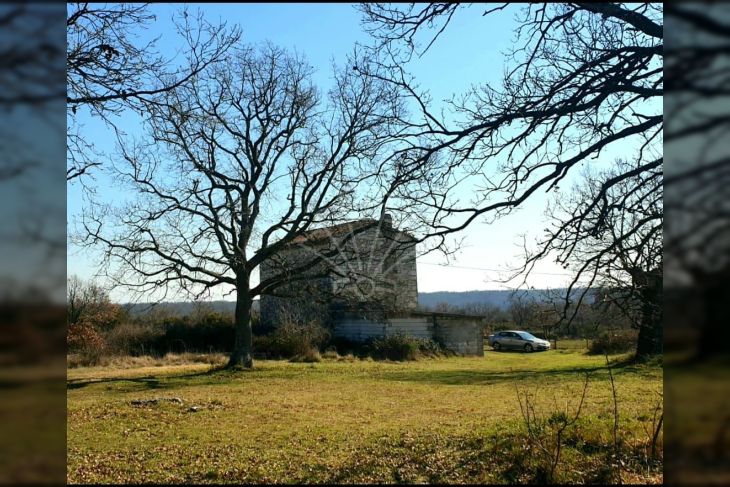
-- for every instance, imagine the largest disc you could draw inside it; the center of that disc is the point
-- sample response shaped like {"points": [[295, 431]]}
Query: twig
{"points": [[615, 419]]}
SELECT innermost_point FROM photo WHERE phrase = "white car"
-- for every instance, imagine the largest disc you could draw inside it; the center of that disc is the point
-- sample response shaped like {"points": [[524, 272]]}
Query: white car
{"points": [[517, 340]]}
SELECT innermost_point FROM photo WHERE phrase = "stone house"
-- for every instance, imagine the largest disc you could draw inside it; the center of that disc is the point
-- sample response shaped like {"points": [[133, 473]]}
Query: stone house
{"points": [[363, 285]]}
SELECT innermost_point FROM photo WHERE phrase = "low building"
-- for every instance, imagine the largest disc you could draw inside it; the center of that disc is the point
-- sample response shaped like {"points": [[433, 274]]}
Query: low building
{"points": [[463, 334]]}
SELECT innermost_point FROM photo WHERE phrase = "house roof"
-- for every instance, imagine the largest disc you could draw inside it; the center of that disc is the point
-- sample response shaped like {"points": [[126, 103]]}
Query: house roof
{"points": [[341, 229], [324, 233]]}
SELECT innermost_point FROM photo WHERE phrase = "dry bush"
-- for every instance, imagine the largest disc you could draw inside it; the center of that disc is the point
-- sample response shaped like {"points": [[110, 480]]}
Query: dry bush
{"points": [[158, 335], [85, 343], [310, 356], [546, 433], [133, 338], [291, 340], [613, 342], [401, 347], [74, 360], [331, 354]]}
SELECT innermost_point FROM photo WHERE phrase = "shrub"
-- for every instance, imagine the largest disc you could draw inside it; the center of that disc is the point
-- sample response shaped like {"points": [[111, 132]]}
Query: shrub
{"points": [[134, 339], [613, 342], [394, 347], [344, 347], [290, 340], [209, 333], [310, 356], [429, 348], [85, 343], [331, 354], [262, 346], [400, 347]]}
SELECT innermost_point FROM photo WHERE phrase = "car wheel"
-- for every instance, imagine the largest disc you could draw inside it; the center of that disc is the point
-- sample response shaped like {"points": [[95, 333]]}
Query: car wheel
{"points": [[497, 346], [528, 348]]}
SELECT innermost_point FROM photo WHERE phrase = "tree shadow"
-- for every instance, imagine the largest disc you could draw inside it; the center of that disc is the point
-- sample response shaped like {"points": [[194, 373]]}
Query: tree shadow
{"points": [[156, 382], [476, 377]]}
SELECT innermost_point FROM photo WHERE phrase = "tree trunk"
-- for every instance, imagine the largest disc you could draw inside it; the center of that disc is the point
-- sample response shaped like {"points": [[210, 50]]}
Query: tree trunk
{"points": [[650, 340], [651, 332], [242, 350]]}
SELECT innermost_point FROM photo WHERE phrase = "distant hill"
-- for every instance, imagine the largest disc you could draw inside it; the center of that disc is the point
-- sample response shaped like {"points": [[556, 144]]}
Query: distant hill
{"points": [[496, 297], [500, 298], [184, 308]]}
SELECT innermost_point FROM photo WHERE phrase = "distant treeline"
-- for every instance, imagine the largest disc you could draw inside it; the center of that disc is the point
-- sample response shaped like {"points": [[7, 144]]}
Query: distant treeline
{"points": [[496, 297], [427, 301]]}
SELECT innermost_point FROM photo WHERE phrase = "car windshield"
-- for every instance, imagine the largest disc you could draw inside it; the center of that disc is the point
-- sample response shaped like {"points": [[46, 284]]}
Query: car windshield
{"points": [[526, 335]]}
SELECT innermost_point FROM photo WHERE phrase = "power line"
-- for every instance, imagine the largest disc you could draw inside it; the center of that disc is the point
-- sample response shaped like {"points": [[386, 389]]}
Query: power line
{"points": [[491, 270]]}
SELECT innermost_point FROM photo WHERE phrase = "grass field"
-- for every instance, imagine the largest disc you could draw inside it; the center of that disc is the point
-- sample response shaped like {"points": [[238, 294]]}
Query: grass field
{"points": [[454, 420]]}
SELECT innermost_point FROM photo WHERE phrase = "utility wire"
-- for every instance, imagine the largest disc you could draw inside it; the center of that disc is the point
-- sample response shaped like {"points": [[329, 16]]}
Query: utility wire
{"points": [[492, 270]]}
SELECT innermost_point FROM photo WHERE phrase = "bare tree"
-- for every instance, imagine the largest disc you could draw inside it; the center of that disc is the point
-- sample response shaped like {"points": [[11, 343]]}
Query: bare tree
{"points": [[236, 164], [109, 70], [523, 310], [89, 303], [611, 232], [584, 79]]}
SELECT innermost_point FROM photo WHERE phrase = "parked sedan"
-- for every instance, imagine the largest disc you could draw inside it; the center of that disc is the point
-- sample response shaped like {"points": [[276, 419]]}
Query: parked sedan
{"points": [[517, 340]]}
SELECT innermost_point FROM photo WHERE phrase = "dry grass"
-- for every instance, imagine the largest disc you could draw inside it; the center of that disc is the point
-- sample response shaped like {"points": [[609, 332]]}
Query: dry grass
{"points": [[453, 420], [128, 362]]}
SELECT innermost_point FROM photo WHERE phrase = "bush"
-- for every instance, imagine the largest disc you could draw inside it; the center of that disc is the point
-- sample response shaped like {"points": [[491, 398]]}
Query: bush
{"points": [[430, 348], [133, 339], [213, 332], [310, 356], [344, 347], [613, 342], [400, 347], [291, 340], [85, 343], [209, 333], [331, 354]]}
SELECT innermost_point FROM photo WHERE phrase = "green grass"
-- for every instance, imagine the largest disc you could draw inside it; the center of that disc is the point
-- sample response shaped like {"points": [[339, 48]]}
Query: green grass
{"points": [[453, 420]]}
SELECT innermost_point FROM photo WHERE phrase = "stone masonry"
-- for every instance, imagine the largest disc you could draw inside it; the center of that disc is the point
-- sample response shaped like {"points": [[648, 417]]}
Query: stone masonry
{"points": [[364, 264]]}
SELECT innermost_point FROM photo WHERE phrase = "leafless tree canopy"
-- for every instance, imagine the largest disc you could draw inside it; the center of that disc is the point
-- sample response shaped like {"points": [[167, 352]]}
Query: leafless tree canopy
{"points": [[235, 164], [109, 70], [614, 236], [583, 81]]}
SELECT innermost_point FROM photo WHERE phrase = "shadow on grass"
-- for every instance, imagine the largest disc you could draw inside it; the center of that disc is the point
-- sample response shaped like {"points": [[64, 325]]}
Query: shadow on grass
{"points": [[221, 375], [215, 375], [476, 377]]}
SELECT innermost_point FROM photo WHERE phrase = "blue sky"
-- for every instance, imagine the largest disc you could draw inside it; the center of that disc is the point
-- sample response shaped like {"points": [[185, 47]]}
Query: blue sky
{"points": [[469, 51]]}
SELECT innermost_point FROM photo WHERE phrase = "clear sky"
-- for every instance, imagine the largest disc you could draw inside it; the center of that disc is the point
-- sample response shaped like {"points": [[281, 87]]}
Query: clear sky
{"points": [[469, 51]]}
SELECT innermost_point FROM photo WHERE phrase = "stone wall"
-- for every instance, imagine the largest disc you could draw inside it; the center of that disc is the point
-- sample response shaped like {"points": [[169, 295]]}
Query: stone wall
{"points": [[298, 301], [376, 267], [462, 334]]}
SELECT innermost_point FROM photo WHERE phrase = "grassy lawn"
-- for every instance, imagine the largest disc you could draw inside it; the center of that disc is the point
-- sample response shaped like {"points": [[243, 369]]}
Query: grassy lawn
{"points": [[454, 420]]}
